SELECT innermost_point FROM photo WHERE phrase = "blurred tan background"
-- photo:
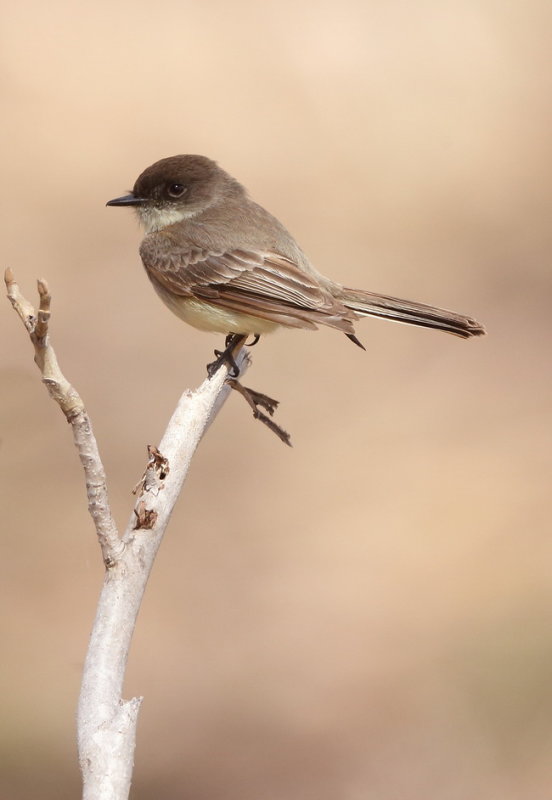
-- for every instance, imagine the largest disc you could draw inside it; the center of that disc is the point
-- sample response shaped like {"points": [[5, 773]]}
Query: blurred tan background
{"points": [[367, 615]]}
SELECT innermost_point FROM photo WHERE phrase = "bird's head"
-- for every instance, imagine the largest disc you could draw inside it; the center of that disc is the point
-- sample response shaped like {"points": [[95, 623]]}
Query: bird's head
{"points": [[177, 188]]}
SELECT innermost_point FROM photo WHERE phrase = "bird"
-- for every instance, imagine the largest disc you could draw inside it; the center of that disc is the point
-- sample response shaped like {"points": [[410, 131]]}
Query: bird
{"points": [[222, 263]]}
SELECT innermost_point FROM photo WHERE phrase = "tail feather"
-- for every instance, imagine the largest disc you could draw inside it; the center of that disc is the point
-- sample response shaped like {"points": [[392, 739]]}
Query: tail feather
{"points": [[370, 304]]}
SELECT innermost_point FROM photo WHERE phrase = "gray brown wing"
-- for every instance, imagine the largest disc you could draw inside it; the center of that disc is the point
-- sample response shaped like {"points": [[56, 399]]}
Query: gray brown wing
{"points": [[262, 284]]}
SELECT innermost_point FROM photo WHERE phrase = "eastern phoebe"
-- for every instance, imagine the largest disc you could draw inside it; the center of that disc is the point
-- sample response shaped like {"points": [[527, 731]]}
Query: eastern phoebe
{"points": [[222, 263]]}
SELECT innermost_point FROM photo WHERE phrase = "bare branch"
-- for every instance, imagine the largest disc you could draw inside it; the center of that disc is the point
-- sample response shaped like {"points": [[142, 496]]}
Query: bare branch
{"points": [[255, 399], [68, 399], [106, 723], [102, 735]]}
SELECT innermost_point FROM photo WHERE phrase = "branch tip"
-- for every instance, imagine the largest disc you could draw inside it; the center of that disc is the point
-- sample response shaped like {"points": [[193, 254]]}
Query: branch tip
{"points": [[41, 328], [9, 277], [43, 291]]}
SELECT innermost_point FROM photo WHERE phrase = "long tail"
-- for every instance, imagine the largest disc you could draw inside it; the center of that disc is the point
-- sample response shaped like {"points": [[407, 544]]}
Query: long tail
{"points": [[370, 304]]}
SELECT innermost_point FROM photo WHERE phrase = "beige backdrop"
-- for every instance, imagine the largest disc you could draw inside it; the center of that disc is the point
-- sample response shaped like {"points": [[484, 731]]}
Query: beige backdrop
{"points": [[368, 614]]}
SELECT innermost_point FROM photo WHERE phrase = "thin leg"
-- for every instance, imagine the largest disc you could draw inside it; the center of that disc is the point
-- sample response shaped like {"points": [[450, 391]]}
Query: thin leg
{"points": [[256, 338], [233, 342]]}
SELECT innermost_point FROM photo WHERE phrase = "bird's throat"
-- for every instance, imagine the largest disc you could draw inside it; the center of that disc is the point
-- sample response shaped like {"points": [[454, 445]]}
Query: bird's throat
{"points": [[155, 219]]}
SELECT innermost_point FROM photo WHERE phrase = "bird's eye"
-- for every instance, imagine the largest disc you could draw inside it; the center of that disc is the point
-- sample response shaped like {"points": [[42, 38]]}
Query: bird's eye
{"points": [[176, 189]]}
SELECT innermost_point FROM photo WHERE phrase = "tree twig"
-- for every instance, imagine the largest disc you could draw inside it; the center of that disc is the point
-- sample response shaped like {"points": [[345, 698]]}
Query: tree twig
{"points": [[106, 723], [71, 404]]}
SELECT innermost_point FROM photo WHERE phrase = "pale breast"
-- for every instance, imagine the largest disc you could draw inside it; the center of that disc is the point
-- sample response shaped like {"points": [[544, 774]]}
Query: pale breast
{"points": [[207, 317]]}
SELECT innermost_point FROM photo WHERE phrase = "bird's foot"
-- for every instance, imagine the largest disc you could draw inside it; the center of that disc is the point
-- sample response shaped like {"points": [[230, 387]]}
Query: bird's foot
{"points": [[254, 400], [226, 357], [256, 338]]}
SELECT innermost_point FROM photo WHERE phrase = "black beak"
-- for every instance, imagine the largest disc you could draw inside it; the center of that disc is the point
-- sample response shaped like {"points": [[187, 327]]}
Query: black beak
{"points": [[127, 200]]}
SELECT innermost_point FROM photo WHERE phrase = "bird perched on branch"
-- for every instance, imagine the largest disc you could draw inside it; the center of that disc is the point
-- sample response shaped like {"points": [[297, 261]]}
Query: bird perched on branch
{"points": [[222, 263]]}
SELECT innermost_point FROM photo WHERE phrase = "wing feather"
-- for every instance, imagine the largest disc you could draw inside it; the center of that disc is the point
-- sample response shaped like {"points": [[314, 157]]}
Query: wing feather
{"points": [[263, 284]]}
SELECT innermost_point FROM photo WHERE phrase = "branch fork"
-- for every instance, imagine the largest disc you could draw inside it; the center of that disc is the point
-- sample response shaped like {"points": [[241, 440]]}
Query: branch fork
{"points": [[106, 724]]}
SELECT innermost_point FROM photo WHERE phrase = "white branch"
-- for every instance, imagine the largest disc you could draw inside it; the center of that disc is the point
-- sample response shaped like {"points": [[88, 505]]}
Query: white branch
{"points": [[71, 404], [106, 723]]}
